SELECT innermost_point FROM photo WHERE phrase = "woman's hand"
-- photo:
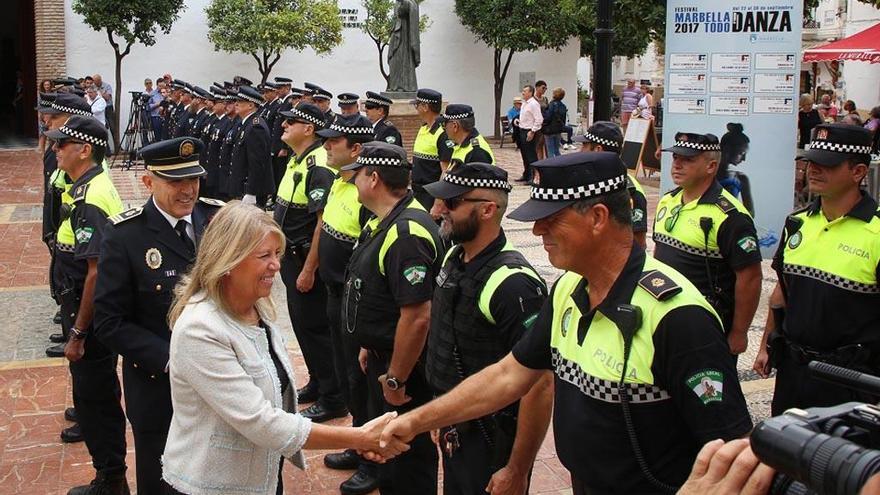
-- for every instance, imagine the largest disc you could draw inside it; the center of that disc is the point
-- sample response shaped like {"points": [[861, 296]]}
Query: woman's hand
{"points": [[372, 432]]}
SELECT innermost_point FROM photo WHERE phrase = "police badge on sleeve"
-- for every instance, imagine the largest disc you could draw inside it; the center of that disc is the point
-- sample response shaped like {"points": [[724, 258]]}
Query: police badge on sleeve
{"points": [[415, 274]]}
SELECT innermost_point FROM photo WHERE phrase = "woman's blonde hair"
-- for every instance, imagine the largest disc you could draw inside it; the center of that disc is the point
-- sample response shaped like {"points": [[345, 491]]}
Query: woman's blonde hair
{"points": [[806, 99], [558, 93], [233, 234]]}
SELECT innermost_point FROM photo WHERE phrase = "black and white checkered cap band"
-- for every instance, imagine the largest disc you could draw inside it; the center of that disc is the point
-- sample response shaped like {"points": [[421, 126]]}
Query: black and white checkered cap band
{"points": [[383, 162], [379, 102], [347, 101], [244, 96], [72, 111], [840, 148], [477, 183], [299, 114], [604, 390], [426, 100], [698, 146], [830, 279], [320, 96], [598, 140], [297, 94], [83, 136], [44, 103], [458, 116], [579, 192], [351, 130]]}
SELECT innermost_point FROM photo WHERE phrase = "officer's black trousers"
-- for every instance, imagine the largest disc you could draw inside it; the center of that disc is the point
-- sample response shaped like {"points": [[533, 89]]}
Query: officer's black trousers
{"points": [[308, 314], [352, 380], [415, 471], [96, 397], [148, 449], [528, 151], [468, 470]]}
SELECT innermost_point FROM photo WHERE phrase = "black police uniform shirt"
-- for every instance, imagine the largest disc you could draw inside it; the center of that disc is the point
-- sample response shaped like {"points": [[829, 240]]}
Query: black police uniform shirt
{"points": [[818, 264], [426, 165], [251, 164], [224, 165], [184, 120], [278, 129], [590, 433], [387, 132], [215, 146], [736, 240], [142, 259], [298, 224]]}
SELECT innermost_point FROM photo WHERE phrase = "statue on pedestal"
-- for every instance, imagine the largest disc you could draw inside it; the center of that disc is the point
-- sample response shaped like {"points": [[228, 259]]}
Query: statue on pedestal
{"points": [[403, 48]]}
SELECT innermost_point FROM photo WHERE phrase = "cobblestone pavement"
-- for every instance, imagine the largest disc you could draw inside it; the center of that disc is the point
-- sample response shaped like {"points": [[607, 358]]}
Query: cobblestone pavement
{"points": [[34, 390]]}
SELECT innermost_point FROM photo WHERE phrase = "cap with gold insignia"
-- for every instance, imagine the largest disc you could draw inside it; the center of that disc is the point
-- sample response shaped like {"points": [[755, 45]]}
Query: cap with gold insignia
{"points": [[376, 100], [347, 99], [322, 94], [563, 180], [380, 154], [467, 177], [174, 159], [357, 127], [426, 95], [692, 144], [831, 144], [86, 129], [307, 113], [607, 134], [457, 111]]}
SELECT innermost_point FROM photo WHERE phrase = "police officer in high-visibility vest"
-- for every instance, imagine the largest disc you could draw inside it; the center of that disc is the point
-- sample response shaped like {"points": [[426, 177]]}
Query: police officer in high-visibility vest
{"points": [[643, 375], [487, 297], [144, 253], [387, 302], [705, 233], [299, 205], [607, 136], [80, 145], [377, 108], [341, 224], [432, 148], [469, 144], [827, 262]]}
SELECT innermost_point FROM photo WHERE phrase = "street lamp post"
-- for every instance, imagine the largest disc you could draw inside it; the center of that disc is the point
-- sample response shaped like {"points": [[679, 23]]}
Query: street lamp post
{"points": [[602, 61]]}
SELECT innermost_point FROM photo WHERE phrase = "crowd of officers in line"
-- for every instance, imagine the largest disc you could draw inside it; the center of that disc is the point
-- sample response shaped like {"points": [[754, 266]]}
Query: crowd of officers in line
{"points": [[391, 309]]}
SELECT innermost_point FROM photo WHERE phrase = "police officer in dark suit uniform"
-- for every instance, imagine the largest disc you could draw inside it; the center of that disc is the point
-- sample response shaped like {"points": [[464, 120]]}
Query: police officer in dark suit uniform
{"points": [[224, 159], [377, 107], [174, 108], [215, 141], [185, 113], [348, 103], [144, 253], [203, 100], [250, 175], [322, 99]]}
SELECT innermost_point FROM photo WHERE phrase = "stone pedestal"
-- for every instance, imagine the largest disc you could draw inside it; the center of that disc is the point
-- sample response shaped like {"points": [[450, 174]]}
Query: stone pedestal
{"points": [[405, 117]]}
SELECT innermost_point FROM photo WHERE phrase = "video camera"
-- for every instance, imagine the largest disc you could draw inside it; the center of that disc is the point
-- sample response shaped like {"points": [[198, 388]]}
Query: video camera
{"points": [[823, 450], [140, 96]]}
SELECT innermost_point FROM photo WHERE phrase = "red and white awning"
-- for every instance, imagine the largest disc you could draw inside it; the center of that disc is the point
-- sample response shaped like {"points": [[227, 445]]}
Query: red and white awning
{"points": [[863, 46]]}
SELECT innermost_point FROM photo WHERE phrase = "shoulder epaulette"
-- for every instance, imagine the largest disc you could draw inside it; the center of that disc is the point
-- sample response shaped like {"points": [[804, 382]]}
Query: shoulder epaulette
{"points": [[79, 193], [659, 285], [389, 123], [724, 204], [256, 120], [212, 201], [126, 215], [311, 161], [672, 192]]}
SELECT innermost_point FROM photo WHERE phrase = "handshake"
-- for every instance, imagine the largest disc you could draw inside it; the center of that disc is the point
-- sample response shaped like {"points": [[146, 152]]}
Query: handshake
{"points": [[385, 437]]}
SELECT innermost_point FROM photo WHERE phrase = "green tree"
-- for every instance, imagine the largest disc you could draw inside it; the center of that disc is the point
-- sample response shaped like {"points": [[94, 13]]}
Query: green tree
{"points": [[636, 24], [378, 25], [265, 28], [511, 26], [127, 22]]}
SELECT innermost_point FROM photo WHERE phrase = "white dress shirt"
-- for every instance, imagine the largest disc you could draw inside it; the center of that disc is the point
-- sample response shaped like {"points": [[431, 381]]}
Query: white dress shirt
{"points": [[530, 117], [190, 230]]}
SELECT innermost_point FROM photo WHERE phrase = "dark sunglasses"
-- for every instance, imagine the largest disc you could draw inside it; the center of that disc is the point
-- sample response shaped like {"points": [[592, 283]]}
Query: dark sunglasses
{"points": [[453, 203], [672, 219], [291, 121], [64, 142]]}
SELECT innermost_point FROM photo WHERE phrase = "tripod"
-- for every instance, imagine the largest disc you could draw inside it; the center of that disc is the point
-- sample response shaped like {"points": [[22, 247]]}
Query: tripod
{"points": [[138, 130]]}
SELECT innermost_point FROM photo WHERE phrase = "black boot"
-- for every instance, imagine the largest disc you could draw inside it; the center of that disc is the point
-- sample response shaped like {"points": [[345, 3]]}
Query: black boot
{"points": [[363, 481], [57, 318], [72, 434], [70, 414], [109, 484], [56, 350], [309, 393], [57, 338], [347, 459]]}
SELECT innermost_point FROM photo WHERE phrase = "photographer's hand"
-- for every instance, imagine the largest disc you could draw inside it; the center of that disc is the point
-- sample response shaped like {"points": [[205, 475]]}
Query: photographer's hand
{"points": [[728, 468]]}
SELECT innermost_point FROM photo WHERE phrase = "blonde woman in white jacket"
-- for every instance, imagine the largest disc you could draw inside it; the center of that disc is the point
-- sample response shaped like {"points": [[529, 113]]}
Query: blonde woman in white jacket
{"points": [[232, 384]]}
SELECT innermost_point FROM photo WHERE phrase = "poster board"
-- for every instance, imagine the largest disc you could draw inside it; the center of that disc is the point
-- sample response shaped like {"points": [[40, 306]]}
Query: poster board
{"points": [[640, 145], [732, 70]]}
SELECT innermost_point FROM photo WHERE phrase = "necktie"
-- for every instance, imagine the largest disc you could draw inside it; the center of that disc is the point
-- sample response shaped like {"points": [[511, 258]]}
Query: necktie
{"points": [[181, 231]]}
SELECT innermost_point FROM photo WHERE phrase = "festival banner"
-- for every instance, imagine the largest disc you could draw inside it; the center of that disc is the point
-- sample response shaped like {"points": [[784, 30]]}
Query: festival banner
{"points": [[732, 69]]}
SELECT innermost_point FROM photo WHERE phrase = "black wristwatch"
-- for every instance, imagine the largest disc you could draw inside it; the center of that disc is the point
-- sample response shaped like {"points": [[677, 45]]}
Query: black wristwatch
{"points": [[394, 383], [77, 334]]}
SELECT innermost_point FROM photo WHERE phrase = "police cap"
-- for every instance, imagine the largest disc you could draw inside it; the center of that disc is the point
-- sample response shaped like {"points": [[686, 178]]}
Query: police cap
{"points": [[560, 181], [831, 144], [242, 81], [78, 92], [355, 126], [228, 85], [297, 92], [174, 159], [69, 103], [44, 102], [467, 177], [199, 92], [322, 94], [178, 84], [429, 96], [457, 111], [376, 100], [247, 93], [692, 144], [283, 81], [348, 98], [380, 154], [81, 128], [607, 134], [307, 113], [64, 81]]}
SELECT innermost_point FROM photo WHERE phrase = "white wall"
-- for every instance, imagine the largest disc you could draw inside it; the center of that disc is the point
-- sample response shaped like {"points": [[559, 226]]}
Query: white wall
{"points": [[452, 61], [862, 79]]}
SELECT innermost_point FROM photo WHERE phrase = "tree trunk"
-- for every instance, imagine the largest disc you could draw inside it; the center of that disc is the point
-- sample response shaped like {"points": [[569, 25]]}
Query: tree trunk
{"points": [[117, 103], [381, 48], [500, 74]]}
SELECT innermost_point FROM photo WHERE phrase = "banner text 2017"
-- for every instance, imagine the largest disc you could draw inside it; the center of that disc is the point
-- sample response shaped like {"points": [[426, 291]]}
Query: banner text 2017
{"points": [[765, 21]]}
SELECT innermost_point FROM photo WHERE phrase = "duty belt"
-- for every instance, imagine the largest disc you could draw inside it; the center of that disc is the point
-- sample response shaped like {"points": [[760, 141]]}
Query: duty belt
{"points": [[288, 204], [337, 234], [848, 355], [65, 248]]}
